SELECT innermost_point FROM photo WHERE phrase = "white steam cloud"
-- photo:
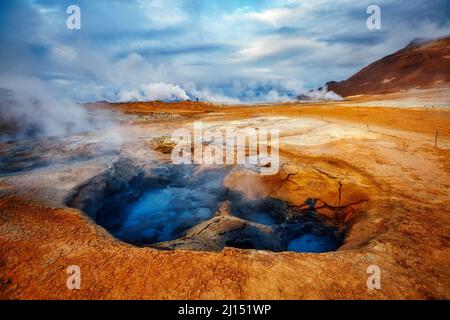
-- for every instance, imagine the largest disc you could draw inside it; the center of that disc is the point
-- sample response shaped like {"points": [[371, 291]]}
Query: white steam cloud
{"points": [[154, 91], [320, 94], [207, 94], [235, 92], [246, 91], [29, 109]]}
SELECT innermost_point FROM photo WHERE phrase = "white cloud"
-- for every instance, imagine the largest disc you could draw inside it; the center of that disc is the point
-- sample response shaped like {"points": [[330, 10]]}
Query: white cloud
{"points": [[275, 17], [64, 53], [166, 41], [274, 45], [162, 13]]}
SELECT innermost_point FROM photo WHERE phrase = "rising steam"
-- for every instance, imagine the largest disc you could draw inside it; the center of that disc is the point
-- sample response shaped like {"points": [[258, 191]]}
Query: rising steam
{"points": [[28, 108]]}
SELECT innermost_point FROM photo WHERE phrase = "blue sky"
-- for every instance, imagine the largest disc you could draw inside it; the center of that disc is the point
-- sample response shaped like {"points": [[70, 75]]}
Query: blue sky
{"points": [[231, 51]]}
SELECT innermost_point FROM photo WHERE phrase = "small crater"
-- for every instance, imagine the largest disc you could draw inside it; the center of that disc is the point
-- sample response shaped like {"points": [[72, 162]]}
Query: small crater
{"points": [[185, 207]]}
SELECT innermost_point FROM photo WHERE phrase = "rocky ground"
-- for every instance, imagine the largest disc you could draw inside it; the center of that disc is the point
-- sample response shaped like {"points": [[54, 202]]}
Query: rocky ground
{"points": [[373, 170]]}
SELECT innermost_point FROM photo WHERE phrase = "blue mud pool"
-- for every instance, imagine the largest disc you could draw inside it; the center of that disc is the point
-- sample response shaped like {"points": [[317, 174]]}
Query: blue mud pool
{"points": [[180, 198], [314, 243], [163, 214]]}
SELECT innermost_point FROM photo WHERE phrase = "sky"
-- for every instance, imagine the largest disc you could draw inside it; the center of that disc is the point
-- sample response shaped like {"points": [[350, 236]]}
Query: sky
{"points": [[223, 51]]}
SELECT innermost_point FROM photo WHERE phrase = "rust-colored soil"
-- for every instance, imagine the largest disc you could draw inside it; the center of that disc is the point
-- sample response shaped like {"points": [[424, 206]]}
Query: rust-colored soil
{"points": [[392, 185]]}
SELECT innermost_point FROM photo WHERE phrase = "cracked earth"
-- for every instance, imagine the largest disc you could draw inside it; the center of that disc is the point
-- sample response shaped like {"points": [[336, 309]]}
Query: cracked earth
{"points": [[372, 170]]}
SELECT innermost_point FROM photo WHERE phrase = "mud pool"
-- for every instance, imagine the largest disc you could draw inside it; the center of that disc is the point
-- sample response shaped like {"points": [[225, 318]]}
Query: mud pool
{"points": [[164, 214], [183, 207]]}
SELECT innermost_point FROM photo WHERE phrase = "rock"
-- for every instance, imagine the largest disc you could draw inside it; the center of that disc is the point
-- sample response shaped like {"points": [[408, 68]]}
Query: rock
{"points": [[221, 231], [162, 144], [108, 191]]}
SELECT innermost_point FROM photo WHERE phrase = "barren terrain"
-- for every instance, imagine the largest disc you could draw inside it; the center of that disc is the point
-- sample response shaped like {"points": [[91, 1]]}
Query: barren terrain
{"points": [[374, 169], [421, 64]]}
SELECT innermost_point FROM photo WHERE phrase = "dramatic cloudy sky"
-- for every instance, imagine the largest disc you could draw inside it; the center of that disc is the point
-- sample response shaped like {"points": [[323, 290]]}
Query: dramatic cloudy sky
{"points": [[233, 50]]}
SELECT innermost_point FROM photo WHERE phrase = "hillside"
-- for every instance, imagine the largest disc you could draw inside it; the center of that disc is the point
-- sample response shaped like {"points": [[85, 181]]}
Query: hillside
{"points": [[422, 63]]}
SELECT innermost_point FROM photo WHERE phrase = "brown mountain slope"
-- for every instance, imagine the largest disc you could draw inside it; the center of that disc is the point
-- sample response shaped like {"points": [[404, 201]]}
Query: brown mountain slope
{"points": [[422, 63]]}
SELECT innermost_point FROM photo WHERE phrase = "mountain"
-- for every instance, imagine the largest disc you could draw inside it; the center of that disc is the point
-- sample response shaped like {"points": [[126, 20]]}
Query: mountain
{"points": [[422, 63]]}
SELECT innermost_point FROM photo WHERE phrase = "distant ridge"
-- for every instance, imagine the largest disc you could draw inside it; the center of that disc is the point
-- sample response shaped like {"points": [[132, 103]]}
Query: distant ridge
{"points": [[422, 63]]}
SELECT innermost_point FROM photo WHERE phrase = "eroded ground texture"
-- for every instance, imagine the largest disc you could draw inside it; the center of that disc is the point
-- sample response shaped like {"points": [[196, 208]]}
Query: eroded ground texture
{"points": [[373, 170]]}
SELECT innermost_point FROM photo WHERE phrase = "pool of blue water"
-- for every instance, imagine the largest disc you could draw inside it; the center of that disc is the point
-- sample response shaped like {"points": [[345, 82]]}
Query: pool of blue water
{"points": [[312, 243], [262, 218], [164, 214], [181, 198]]}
